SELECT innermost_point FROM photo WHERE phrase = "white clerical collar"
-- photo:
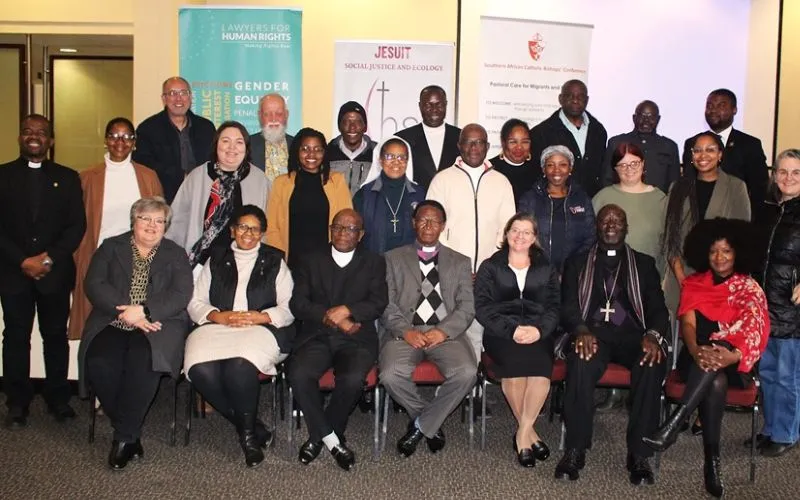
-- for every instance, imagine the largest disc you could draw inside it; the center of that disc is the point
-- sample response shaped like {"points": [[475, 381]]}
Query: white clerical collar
{"points": [[33, 164], [611, 253], [429, 249], [342, 258]]}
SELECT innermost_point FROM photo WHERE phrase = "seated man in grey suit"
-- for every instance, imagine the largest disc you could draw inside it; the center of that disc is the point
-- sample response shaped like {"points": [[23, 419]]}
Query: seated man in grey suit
{"points": [[430, 307], [269, 148]]}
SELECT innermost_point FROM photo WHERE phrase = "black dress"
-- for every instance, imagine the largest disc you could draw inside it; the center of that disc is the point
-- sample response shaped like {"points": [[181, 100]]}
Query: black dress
{"points": [[308, 216], [500, 307]]}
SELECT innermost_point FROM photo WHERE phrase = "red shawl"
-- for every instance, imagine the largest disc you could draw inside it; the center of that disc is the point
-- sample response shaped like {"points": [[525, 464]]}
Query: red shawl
{"points": [[738, 305]]}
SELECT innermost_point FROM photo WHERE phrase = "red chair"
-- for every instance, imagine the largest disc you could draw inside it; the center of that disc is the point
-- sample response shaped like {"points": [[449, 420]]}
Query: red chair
{"points": [[426, 373], [327, 383]]}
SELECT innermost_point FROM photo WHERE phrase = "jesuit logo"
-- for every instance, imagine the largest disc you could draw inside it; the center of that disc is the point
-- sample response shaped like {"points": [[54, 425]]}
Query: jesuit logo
{"points": [[536, 46]]}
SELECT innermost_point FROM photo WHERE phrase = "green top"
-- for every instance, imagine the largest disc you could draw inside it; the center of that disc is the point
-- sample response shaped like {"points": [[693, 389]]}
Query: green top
{"points": [[645, 212]]}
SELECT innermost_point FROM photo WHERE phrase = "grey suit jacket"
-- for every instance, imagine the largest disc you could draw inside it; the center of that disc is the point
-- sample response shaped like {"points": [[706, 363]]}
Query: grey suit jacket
{"points": [[257, 150], [404, 279]]}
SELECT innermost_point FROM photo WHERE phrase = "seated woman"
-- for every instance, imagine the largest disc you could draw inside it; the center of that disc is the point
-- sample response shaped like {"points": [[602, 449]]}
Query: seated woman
{"points": [[725, 327], [213, 191], [139, 284], [388, 197], [517, 297], [562, 209], [241, 302]]}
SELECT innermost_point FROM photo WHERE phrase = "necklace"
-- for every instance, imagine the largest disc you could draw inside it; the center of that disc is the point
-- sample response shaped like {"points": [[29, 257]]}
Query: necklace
{"points": [[608, 310], [394, 220]]}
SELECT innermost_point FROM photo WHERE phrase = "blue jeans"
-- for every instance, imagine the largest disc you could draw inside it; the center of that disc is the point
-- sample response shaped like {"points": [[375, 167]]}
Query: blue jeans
{"points": [[779, 371]]}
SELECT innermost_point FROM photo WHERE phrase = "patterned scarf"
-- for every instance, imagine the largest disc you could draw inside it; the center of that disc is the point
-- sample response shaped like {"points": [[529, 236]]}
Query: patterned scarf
{"points": [[219, 209], [586, 282], [140, 277]]}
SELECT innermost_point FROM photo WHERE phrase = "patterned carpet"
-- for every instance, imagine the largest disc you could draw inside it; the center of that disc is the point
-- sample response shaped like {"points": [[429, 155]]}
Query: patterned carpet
{"points": [[51, 460]]}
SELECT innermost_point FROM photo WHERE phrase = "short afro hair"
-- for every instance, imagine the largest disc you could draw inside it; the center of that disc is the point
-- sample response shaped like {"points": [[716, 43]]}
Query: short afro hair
{"points": [[739, 234]]}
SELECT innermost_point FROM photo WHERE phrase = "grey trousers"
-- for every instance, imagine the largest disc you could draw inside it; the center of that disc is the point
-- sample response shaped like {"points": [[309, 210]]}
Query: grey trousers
{"points": [[454, 358]]}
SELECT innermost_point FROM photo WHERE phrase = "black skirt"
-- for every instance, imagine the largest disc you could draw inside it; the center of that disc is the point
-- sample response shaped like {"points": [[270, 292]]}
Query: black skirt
{"points": [[520, 360]]}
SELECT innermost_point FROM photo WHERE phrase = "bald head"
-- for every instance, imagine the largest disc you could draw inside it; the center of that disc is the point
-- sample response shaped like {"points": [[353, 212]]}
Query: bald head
{"points": [[574, 98], [473, 145], [273, 116], [176, 96], [612, 227], [646, 117]]}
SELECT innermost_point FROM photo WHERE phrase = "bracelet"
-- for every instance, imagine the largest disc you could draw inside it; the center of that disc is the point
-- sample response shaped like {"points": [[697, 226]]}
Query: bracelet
{"points": [[660, 340], [147, 313]]}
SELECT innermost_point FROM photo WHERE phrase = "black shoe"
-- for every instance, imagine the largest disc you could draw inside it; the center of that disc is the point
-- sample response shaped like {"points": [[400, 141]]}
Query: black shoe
{"points": [[640, 470], [570, 465], [309, 451], [712, 476], [540, 450], [525, 456], [366, 403], [761, 441], [17, 418], [263, 435], [697, 428], [121, 453], [437, 442], [614, 400], [344, 456], [397, 408], [61, 412], [248, 439], [774, 449], [407, 444], [137, 451]]}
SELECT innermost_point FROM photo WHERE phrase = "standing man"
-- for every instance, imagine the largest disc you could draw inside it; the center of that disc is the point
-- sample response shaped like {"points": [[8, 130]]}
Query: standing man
{"points": [[350, 153], [269, 148], [175, 140], [661, 160], [572, 126], [434, 143], [42, 221], [430, 308], [478, 200], [339, 292], [743, 156]]}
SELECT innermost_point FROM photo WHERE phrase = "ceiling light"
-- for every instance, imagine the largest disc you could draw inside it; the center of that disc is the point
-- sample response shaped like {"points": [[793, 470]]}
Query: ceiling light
{"points": [[71, 51]]}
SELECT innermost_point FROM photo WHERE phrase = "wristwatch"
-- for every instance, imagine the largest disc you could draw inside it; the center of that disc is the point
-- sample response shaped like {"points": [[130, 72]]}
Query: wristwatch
{"points": [[660, 340], [47, 262]]}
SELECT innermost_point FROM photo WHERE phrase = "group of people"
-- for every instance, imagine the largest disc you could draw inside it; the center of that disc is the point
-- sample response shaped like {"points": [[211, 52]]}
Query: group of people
{"points": [[221, 255]]}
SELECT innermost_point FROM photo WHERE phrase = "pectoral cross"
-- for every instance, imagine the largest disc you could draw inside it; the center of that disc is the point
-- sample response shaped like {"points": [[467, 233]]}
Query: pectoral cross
{"points": [[607, 310], [394, 222]]}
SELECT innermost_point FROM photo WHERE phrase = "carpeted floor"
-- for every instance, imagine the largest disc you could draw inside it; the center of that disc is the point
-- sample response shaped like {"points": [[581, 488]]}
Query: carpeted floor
{"points": [[50, 460]]}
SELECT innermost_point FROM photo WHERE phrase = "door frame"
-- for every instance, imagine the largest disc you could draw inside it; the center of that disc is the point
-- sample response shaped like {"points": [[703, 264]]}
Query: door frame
{"points": [[23, 77]]}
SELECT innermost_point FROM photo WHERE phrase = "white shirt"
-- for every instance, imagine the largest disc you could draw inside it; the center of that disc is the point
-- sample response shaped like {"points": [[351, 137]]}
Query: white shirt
{"points": [[435, 138], [724, 134], [342, 258], [521, 275], [120, 191]]}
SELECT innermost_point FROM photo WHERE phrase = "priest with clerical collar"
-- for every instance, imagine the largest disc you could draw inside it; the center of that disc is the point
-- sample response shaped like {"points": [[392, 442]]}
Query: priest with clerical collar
{"points": [[613, 305]]}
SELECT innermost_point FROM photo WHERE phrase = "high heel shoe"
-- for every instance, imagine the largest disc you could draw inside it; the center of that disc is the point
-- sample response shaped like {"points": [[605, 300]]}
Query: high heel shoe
{"points": [[525, 456]]}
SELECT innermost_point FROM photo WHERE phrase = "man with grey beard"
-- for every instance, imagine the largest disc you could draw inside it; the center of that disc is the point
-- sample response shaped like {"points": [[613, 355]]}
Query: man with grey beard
{"points": [[270, 147]]}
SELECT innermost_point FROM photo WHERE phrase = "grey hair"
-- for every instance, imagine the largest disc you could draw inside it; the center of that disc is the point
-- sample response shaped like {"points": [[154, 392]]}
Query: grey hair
{"points": [[557, 150], [788, 153], [151, 204], [773, 192]]}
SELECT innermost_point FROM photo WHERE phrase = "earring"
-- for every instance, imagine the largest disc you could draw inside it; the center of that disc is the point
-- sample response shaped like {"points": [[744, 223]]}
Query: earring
{"points": [[502, 157], [528, 157]]}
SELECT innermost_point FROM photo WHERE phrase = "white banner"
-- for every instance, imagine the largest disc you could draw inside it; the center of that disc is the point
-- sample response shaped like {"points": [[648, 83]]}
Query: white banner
{"points": [[386, 77], [523, 65]]}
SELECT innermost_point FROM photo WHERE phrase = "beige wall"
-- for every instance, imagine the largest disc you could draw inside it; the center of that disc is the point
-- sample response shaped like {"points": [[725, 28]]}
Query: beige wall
{"points": [[789, 103], [9, 118]]}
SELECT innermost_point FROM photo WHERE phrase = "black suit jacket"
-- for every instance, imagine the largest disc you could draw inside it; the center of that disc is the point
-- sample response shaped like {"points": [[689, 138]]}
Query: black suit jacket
{"points": [[57, 229], [257, 149], [364, 292], [158, 147], [588, 168], [743, 158], [425, 167]]}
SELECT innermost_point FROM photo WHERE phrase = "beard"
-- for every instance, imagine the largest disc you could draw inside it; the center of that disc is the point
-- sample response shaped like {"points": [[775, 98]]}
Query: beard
{"points": [[274, 132]]}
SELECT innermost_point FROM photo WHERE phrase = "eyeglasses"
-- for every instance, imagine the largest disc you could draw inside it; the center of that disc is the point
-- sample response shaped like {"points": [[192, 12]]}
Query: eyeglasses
{"points": [[476, 143], [149, 220], [783, 173], [336, 228], [429, 222], [708, 149], [123, 137], [176, 93], [244, 228], [394, 157], [521, 232], [630, 166], [312, 149]]}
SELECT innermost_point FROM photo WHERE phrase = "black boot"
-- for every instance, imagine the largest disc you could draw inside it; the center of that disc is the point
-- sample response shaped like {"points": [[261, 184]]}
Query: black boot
{"points": [[711, 471], [667, 434], [614, 400], [248, 439]]}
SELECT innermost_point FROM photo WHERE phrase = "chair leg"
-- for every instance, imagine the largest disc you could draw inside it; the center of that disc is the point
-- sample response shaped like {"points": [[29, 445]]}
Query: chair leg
{"points": [[93, 415], [174, 426], [274, 382], [484, 382], [189, 398], [386, 399], [376, 438], [472, 412], [753, 443], [281, 394], [563, 438], [290, 418]]}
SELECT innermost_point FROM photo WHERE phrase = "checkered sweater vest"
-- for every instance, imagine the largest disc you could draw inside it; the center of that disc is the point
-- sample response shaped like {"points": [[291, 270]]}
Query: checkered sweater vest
{"points": [[430, 307]]}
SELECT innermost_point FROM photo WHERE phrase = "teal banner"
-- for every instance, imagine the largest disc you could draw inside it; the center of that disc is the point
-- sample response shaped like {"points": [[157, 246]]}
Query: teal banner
{"points": [[234, 56]]}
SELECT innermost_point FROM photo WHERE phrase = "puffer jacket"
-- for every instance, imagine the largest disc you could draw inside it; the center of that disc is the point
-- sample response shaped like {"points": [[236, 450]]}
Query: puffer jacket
{"points": [[782, 270]]}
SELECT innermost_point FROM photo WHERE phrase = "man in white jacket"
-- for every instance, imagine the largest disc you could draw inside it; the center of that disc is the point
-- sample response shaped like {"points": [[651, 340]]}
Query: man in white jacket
{"points": [[478, 201]]}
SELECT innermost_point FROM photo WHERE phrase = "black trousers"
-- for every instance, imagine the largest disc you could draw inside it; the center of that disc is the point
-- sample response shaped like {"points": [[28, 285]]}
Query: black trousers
{"points": [[18, 313], [119, 369], [351, 362], [582, 376], [230, 385]]}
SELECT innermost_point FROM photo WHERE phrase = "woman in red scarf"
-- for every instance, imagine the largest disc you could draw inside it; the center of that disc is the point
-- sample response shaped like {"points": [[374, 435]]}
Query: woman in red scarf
{"points": [[725, 327]]}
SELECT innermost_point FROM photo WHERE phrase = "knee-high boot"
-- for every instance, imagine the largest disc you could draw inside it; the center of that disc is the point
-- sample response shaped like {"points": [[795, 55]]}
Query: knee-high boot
{"points": [[667, 434]]}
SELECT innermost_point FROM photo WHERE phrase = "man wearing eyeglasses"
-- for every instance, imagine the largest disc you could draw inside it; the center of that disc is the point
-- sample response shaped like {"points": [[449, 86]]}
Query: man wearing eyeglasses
{"points": [[175, 140], [339, 292], [42, 221], [430, 308]]}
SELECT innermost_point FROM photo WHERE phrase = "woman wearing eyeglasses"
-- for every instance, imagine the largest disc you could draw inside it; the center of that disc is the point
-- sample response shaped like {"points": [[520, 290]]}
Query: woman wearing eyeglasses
{"points": [[245, 327], [213, 191], [304, 201], [109, 190], [645, 205], [388, 197]]}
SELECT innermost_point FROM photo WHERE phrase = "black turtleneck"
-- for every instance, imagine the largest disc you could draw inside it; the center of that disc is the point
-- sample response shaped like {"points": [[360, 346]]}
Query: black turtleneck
{"points": [[522, 177], [308, 215]]}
